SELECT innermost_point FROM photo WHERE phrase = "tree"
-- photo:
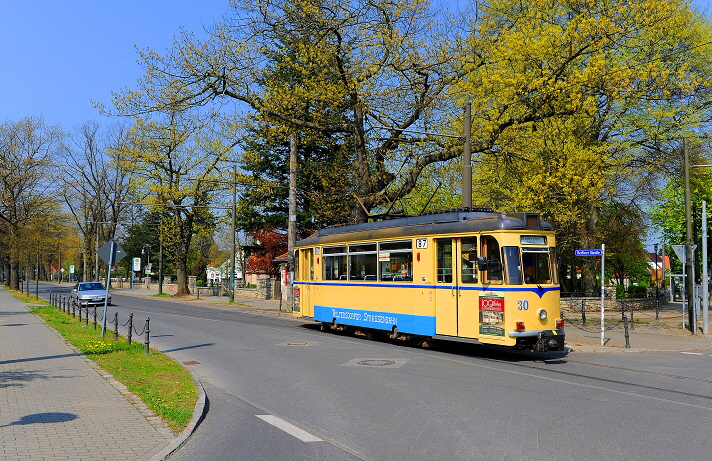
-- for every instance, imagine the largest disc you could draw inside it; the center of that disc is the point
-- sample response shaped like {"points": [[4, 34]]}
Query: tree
{"points": [[623, 228], [175, 160], [271, 245], [578, 104], [323, 180], [333, 67], [27, 151], [97, 190]]}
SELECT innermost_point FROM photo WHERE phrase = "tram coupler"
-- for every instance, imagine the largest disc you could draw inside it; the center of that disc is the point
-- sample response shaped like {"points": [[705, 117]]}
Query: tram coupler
{"points": [[547, 341]]}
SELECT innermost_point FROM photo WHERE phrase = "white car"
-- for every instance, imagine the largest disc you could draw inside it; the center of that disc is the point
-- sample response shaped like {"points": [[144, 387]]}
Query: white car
{"points": [[90, 294]]}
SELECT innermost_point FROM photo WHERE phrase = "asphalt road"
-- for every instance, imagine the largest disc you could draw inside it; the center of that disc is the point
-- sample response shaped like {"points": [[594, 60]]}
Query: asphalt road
{"points": [[281, 389]]}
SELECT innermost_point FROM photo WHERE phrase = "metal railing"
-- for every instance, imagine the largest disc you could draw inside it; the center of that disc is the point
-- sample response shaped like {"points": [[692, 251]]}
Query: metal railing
{"points": [[70, 307]]}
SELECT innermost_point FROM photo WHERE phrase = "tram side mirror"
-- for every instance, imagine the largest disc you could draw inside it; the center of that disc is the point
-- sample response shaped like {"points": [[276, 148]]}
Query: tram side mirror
{"points": [[482, 263]]}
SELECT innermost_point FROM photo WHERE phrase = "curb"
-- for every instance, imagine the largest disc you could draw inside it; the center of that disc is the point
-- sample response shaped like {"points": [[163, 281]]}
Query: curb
{"points": [[199, 413]]}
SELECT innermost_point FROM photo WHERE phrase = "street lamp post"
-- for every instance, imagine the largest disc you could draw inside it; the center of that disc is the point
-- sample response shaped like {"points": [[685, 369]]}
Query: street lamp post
{"points": [[148, 259]]}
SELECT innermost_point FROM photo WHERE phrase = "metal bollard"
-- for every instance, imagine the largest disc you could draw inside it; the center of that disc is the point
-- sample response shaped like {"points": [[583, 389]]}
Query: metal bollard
{"points": [[130, 328], [116, 326], [80, 313], [632, 320], [583, 312], [657, 308], [147, 341], [627, 336], [86, 320], [95, 317], [74, 310]]}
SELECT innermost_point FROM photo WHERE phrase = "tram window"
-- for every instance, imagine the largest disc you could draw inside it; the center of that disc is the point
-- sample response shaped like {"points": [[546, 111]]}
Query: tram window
{"points": [[444, 271], [469, 260], [490, 248], [554, 264], [395, 260], [335, 267], [512, 266], [297, 274], [537, 267], [363, 262]]}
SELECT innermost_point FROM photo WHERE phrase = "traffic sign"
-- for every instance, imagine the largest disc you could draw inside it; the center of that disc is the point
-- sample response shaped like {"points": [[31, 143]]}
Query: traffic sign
{"points": [[136, 264], [105, 252], [589, 252], [681, 252]]}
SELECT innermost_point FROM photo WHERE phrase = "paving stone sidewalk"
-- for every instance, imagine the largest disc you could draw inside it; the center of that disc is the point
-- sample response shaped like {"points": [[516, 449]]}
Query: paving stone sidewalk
{"points": [[55, 406]]}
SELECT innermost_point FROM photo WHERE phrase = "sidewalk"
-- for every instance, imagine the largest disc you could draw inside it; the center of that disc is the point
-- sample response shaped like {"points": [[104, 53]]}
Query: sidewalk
{"points": [[642, 338], [54, 405]]}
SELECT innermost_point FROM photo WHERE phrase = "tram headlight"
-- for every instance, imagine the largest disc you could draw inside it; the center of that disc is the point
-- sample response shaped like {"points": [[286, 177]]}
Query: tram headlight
{"points": [[542, 314]]}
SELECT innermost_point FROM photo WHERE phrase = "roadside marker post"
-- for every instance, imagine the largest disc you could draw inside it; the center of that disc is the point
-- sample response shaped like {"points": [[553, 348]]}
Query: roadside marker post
{"points": [[602, 254]]}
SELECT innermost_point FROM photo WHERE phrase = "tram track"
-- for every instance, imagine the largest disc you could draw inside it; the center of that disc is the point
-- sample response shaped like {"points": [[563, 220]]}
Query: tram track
{"points": [[611, 380]]}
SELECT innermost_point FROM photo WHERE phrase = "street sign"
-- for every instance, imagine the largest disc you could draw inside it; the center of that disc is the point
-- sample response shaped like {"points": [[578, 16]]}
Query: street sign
{"points": [[589, 252], [148, 269], [681, 252], [136, 264], [105, 252], [71, 269]]}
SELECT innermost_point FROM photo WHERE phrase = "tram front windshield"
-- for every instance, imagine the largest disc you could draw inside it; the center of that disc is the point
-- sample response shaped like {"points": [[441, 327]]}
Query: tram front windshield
{"points": [[533, 268]]}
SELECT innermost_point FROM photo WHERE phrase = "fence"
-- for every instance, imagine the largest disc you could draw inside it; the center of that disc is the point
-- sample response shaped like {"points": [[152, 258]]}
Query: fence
{"points": [[70, 306], [585, 312]]}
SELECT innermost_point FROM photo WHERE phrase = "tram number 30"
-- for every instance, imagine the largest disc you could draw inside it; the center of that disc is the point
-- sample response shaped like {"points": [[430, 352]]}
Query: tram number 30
{"points": [[523, 305]]}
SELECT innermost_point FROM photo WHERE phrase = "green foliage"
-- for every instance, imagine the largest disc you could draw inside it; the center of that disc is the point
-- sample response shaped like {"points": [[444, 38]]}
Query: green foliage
{"points": [[620, 291]]}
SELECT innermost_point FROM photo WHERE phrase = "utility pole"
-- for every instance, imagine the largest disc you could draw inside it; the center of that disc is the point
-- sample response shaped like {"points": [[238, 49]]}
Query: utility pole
{"points": [[467, 158], [690, 282], [232, 229], [292, 224]]}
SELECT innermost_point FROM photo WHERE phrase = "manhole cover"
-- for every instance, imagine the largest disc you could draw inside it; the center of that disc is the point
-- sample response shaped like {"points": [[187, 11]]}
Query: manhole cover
{"points": [[376, 363], [298, 343], [191, 362]]}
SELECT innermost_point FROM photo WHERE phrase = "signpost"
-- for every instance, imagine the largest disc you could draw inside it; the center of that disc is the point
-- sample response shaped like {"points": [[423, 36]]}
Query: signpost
{"points": [[110, 253], [602, 254], [136, 267]]}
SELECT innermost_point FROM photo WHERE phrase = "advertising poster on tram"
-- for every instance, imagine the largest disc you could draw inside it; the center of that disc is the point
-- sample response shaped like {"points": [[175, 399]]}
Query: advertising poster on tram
{"points": [[491, 315]]}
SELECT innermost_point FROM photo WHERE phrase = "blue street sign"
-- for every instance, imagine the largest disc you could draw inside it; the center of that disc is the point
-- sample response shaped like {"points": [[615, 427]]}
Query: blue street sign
{"points": [[589, 252]]}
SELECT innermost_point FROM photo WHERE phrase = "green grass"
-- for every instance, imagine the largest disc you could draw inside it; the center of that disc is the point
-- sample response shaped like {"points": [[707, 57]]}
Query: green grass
{"points": [[162, 384], [162, 295]]}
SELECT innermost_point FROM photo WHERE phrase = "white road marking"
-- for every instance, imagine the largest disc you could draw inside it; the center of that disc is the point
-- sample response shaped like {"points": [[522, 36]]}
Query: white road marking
{"points": [[290, 429], [692, 353]]}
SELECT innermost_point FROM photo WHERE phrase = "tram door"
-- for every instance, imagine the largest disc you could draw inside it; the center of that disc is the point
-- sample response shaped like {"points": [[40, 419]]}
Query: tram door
{"points": [[446, 292], [307, 276], [456, 308]]}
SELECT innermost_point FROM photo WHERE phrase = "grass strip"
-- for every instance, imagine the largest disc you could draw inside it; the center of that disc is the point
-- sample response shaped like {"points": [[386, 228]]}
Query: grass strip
{"points": [[162, 384]]}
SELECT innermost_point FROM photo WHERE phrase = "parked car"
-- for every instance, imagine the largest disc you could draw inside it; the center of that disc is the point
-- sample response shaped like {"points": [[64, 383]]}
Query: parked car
{"points": [[89, 293], [73, 278]]}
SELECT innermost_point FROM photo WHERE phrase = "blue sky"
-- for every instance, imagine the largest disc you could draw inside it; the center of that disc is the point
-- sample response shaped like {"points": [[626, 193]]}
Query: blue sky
{"points": [[58, 55]]}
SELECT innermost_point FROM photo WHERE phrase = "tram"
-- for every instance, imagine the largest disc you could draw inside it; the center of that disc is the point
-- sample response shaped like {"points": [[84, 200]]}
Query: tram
{"points": [[469, 275]]}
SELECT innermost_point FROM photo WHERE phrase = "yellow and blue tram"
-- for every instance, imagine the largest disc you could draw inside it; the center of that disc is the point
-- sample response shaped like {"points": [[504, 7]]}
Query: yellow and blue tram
{"points": [[469, 275]]}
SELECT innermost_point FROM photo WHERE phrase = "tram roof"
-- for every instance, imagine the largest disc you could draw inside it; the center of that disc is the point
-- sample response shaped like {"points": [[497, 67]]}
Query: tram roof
{"points": [[449, 222]]}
